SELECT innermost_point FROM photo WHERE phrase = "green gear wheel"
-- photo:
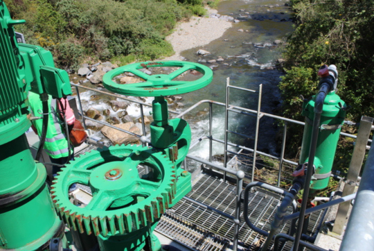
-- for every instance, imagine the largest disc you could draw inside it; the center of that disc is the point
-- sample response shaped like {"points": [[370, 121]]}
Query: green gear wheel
{"points": [[122, 201]]}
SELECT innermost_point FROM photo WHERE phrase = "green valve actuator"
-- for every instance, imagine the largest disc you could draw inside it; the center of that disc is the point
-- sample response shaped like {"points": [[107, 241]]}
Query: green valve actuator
{"points": [[331, 121], [127, 205]]}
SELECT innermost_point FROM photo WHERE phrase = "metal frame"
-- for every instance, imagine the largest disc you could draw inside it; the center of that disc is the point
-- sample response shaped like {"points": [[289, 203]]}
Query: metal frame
{"points": [[238, 174]]}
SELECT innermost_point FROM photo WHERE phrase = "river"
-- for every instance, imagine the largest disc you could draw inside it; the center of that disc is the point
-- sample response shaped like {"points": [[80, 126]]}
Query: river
{"points": [[249, 55]]}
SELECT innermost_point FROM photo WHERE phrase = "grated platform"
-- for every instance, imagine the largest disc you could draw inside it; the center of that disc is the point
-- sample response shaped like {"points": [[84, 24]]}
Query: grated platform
{"points": [[185, 218]]}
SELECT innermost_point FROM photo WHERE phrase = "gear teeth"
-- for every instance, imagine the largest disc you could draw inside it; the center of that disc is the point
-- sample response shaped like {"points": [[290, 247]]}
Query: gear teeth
{"points": [[95, 226], [108, 223], [149, 214], [161, 204], [104, 226], [155, 210], [119, 221], [128, 223], [87, 225], [142, 218], [112, 225], [79, 223], [135, 221]]}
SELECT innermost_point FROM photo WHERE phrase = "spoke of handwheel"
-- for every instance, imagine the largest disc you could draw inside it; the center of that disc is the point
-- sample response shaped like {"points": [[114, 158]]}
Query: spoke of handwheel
{"points": [[100, 201], [80, 175], [178, 72]]}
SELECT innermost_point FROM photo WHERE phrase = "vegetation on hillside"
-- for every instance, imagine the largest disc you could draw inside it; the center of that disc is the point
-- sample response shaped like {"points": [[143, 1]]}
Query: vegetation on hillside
{"points": [[330, 32], [122, 30]]}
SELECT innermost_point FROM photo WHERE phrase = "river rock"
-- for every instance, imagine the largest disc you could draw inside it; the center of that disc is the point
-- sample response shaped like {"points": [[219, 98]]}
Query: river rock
{"points": [[107, 64], [119, 104], [268, 45], [240, 30], [220, 59], [92, 113], [127, 118], [202, 52], [130, 80], [113, 120], [83, 71], [106, 112], [180, 105], [201, 61], [122, 114], [94, 97], [258, 45], [93, 125], [278, 42], [93, 68], [169, 100], [212, 61], [236, 21], [118, 138], [178, 98], [147, 121], [129, 74], [97, 77], [146, 71]]}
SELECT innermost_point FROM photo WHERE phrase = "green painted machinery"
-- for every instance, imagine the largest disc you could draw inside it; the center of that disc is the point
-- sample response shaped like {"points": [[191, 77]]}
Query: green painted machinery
{"points": [[127, 203], [27, 218], [331, 121]]}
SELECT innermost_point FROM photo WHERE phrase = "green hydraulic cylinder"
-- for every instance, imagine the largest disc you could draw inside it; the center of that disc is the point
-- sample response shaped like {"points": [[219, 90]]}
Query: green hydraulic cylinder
{"points": [[332, 119], [27, 218]]}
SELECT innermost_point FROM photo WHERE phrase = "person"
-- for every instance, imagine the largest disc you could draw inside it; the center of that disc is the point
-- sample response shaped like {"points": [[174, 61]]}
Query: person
{"points": [[56, 143]]}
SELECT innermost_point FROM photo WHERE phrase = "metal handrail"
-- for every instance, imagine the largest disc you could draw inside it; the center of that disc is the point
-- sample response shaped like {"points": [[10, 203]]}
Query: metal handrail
{"points": [[239, 174]]}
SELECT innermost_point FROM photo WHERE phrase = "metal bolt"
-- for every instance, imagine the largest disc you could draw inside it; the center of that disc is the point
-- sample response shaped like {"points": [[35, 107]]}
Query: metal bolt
{"points": [[17, 120], [112, 173], [184, 173]]}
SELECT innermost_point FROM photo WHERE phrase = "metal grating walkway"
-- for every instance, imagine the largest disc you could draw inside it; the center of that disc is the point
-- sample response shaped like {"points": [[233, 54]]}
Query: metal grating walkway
{"points": [[186, 217]]}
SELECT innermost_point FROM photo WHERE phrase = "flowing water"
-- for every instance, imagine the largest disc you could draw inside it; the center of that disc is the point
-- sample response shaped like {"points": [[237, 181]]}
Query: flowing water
{"points": [[250, 55]]}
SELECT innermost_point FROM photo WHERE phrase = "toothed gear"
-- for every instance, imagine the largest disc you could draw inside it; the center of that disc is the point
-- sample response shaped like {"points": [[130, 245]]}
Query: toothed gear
{"points": [[122, 201]]}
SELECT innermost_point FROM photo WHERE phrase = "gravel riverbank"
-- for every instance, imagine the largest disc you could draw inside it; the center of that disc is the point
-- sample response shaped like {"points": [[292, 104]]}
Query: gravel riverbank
{"points": [[197, 32]]}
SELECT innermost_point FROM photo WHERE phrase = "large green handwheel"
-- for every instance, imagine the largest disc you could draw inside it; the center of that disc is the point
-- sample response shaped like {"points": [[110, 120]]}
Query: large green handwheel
{"points": [[159, 84]]}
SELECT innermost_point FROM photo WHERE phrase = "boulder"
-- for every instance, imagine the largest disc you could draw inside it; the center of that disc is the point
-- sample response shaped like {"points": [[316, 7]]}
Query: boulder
{"points": [[240, 30], [92, 113], [113, 120], [97, 77], [278, 41], [147, 121], [130, 80], [119, 104], [106, 112], [212, 61], [220, 59], [121, 114], [93, 125], [118, 137], [127, 118], [83, 71], [107, 64], [202, 52]]}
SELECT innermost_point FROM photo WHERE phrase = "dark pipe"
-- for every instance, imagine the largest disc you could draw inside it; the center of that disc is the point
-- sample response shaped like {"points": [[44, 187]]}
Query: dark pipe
{"points": [[44, 127], [282, 210], [245, 195], [325, 88]]}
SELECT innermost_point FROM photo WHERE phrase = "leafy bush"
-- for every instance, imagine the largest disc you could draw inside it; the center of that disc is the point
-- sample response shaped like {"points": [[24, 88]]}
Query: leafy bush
{"points": [[330, 32], [102, 29], [69, 54]]}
